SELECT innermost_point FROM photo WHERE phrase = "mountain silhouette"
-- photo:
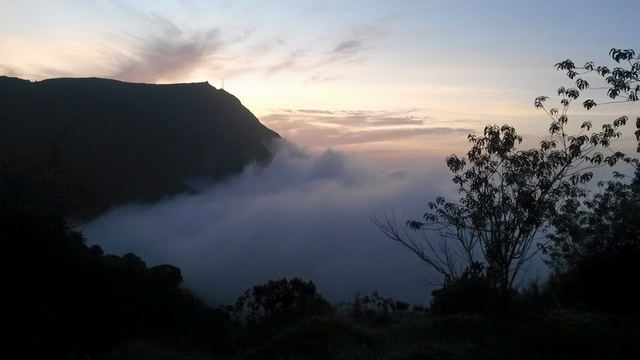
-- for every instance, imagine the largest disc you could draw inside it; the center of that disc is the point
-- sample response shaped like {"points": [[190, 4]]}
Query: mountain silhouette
{"points": [[83, 145]]}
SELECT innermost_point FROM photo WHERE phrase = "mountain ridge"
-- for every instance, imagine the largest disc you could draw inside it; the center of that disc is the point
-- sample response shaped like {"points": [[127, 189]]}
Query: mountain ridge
{"points": [[83, 145]]}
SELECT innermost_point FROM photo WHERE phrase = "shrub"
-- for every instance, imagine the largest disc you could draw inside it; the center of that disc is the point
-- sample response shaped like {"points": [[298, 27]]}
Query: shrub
{"points": [[471, 293], [281, 299]]}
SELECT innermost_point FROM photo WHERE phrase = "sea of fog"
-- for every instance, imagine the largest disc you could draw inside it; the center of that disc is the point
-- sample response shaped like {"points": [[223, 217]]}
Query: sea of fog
{"points": [[305, 215]]}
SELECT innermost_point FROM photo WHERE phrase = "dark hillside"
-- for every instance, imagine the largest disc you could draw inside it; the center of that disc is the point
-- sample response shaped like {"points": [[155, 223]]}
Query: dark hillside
{"points": [[84, 145]]}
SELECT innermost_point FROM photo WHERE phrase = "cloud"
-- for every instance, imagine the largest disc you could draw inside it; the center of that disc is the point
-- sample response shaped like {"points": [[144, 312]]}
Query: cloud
{"points": [[130, 43], [305, 215], [316, 127], [348, 47], [10, 70], [363, 117], [170, 53], [322, 78], [394, 134], [290, 63]]}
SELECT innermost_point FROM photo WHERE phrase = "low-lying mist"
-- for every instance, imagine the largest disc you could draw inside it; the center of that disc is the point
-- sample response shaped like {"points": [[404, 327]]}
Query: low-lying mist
{"points": [[305, 215]]}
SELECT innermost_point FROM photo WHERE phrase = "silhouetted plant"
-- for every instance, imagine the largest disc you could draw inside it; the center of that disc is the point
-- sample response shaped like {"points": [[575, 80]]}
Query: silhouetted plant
{"points": [[168, 275], [596, 247], [96, 251], [536, 298], [471, 293], [402, 306], [70, 297], [134, 262], [373, 307], [419, 308], [597, 238], [281, 299]]}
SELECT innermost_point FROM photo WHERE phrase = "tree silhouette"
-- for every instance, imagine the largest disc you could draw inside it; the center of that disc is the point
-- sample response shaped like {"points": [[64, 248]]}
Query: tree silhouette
{"points": [[509, 195], [597, 238]]}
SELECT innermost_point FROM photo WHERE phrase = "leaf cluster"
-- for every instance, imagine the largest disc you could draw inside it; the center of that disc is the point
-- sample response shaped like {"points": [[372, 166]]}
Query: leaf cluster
{"points": [[622, 84], [621, 81]]}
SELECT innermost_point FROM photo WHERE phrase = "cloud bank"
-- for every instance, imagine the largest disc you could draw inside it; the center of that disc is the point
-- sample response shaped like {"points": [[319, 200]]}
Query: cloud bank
{"points": [[305, 215]]}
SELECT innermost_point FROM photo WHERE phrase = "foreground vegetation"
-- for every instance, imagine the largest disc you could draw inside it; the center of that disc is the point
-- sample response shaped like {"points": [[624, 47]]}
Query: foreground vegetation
{"points": [[553, 336]]}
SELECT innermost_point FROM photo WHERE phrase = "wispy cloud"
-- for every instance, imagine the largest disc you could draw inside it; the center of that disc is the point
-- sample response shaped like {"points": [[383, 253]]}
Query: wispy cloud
{"points": [[347, 46], [360, 117], [154, 47], [361, 137], [169, 53], [322, 78], [318, 127], [10, 70], [352, 44], [289, 63]]}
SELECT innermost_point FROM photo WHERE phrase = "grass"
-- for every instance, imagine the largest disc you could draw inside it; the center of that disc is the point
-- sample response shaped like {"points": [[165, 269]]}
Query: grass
{"points": [[152, 350], [553, 336]]}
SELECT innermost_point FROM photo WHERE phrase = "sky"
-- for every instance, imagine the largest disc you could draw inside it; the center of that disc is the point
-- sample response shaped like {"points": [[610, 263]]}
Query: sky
{"points": [[370, 96], [396, 81]]}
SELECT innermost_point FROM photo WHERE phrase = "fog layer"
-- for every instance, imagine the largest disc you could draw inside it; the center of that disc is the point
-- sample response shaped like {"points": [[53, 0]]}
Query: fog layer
{"points": [[305, 215]]}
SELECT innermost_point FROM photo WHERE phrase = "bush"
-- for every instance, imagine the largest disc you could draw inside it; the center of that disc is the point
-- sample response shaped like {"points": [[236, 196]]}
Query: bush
{"points": [[471, 293], [596, 249], [535, 298], [373, 307], [600, 283], [281, 299]]}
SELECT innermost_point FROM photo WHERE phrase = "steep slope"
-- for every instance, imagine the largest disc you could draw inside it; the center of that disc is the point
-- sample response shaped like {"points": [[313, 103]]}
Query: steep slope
{"points": [[84, 145]]}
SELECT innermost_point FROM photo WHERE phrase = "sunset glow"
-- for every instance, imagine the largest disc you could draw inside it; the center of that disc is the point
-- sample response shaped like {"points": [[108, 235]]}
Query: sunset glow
{"points": [[458, 65]]}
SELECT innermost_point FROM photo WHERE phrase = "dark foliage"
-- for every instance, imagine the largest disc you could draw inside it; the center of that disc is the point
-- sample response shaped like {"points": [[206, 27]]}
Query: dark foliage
{"points": [[60, 296], [402, 306], [418, 308], [280, 299], [471, 293], [266, 316], [535, 299], [622, 82], [374, 308], [596, 242], [597, 248]]}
